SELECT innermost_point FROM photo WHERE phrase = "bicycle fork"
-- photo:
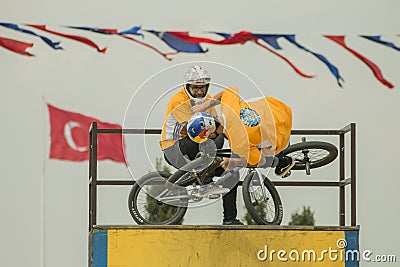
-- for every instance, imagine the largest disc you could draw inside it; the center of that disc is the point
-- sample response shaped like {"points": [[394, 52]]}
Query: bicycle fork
{"points": [[259, 181]]}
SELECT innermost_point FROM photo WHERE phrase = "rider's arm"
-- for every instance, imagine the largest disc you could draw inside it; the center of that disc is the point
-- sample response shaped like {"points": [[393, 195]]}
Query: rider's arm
{"points": [[229, 163], [209, 103], [214, 101]]}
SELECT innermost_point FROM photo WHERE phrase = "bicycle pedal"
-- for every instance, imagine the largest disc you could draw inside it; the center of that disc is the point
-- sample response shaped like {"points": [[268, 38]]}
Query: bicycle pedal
{"points": [[287, 175]]}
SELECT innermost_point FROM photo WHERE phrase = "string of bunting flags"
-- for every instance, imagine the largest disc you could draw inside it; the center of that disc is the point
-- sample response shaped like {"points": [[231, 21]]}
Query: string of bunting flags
{"points": [[183, 42]]}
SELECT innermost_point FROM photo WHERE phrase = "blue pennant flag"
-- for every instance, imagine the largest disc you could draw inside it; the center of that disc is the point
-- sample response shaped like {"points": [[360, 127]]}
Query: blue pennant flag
{"points": [[54, 45], [134, 30], [271, 39], [177, 43], [377, 39], [291, 38]]}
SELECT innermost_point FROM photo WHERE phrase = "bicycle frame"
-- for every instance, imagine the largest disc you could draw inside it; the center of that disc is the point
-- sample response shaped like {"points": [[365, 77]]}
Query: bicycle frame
{"points": [[163, 196], [182, 188]]}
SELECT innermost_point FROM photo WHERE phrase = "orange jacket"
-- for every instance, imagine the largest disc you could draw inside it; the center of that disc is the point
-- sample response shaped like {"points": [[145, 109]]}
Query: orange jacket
{"points": [[178, 112], [261, 124]]}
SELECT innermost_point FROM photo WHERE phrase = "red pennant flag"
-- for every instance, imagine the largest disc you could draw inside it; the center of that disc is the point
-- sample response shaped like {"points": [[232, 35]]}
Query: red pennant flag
{"points": [[340, 40], [70, 36], [16, 46], [69, 134], [237, 38]]}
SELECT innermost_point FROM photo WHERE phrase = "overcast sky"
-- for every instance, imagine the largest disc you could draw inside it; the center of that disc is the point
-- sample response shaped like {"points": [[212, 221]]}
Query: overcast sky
{"points": [[44, 202]]}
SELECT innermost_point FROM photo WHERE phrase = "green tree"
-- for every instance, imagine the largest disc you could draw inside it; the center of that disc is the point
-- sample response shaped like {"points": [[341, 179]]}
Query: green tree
{"points": [[306, 217], [260, 210], [158, 211]]}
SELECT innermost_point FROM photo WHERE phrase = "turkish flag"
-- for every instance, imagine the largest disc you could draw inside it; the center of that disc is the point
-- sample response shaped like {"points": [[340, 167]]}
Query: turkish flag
{"points": [[69, 134]]}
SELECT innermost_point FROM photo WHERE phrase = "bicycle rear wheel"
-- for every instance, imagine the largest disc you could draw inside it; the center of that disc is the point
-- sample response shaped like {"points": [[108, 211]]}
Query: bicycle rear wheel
{"points": [[145, 209], [262, 200], [311, 154]]}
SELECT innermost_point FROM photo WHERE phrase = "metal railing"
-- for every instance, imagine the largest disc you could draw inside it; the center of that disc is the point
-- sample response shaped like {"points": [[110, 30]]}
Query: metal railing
{"points": [[341, 183]]}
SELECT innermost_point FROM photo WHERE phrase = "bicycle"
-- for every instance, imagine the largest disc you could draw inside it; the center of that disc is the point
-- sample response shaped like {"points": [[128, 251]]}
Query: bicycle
{"points": [[169, 195]]}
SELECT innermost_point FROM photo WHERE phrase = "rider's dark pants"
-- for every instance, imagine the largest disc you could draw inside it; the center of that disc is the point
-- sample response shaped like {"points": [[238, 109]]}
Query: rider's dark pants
{"points": [[229, 199], [186, 147], [174, 157]]}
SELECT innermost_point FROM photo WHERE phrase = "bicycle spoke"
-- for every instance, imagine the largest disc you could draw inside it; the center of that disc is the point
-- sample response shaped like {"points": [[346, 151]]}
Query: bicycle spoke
{"points": [[311, 155], [262, 199], [263, 203], [317, 153]]}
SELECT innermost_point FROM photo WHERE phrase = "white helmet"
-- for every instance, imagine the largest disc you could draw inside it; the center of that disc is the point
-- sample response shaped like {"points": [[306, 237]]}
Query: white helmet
{"points": [[196, 75], [200, 126]]}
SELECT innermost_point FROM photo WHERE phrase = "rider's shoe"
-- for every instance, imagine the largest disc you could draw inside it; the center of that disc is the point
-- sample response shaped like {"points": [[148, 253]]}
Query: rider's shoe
{"points": [[284, 166], [211, 190], [232, 222]]}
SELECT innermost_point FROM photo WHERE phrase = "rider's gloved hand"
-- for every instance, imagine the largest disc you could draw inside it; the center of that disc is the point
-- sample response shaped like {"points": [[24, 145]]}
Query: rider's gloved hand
{"points": [[229, 163]]}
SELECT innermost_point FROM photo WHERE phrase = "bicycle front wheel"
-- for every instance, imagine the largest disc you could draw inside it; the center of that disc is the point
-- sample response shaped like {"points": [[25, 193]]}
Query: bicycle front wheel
{"points": [[262, 200], [145, 209]]}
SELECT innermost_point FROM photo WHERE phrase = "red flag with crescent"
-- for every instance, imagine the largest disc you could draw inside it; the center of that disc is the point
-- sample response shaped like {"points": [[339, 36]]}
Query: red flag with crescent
{"points": [[69, 137]]}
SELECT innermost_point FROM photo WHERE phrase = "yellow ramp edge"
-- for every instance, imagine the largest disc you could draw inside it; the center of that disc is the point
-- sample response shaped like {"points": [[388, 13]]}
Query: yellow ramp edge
{"points": [[194, 245]]}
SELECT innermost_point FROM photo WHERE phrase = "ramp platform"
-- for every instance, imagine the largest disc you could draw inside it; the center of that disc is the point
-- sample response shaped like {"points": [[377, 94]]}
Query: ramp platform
{"points": [[195, 245]]}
